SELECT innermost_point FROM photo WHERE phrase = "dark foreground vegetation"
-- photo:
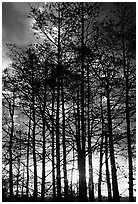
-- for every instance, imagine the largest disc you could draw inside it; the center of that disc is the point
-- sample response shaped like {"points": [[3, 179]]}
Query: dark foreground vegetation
{"points": [[69, 105], [71, 199]]}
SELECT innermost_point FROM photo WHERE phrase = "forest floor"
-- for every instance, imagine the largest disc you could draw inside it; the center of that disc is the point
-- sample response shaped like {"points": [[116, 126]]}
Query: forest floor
{"points": [[31, 199], [122, 199]]}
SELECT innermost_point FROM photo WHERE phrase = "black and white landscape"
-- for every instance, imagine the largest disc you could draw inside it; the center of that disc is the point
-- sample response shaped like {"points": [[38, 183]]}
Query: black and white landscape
{"points": [[69, 101]]}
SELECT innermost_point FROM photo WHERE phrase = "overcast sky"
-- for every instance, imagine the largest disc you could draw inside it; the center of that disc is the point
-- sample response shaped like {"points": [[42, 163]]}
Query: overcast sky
{"points": [[15, 26]]}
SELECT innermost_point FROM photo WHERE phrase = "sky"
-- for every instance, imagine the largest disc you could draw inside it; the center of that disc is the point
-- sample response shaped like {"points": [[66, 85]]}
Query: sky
{"points": [[15, 26]]}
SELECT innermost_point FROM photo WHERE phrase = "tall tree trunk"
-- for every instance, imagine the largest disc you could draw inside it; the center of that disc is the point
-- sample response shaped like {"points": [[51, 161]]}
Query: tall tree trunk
{"points": [[101, 151], [73, 160], [18, 168], [100, 169], [130, 165], [10, 151], [82, 170], [44, 140], [33, 132], [17, 191], [11, 174], [82, 179], [111, 146], [23, 182], [78, 124], [107, 169], [131, 197], [43, 162], [28, 147], [91, 186], [57, 117], [64, 142], [34, 155], [78, 120], [53, 146]]}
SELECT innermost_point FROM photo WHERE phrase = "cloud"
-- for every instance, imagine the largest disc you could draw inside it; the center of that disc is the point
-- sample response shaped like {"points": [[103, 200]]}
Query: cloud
{"points": [[12, 22], [15, 23], [15, 27]]}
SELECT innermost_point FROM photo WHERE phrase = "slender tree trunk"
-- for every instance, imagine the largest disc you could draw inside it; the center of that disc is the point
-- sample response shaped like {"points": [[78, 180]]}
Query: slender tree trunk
{"points": [[130, 165], [17, 192], [111, 146], [44, 139], [91, 132], [57, 117], [131, 197], [53, 146], [34, 156], [73, 158], [19, 159], [33, 132], [91, 187], [78, 123], [64, 143], [107, 169], [100, 169], [82, 170], [28, 147], [43, 162], [10, 151], [101, 152], [78, 120], [11, 174], [23, 182]]}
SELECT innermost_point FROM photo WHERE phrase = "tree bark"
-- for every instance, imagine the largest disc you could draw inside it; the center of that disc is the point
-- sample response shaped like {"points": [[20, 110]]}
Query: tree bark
{"points": [[78, 120], [33, 132], [131, 197], [18, 168], [73, 160], [64, 142], [100, 169], [11, 174], [107, 169], [53, 146], [101, 151], [44, 139], [43, 162], [130, 165], [82, 170], [10, 149], [57, 117], [28, 147], [91, 186], [23, 183], [111, 146]]}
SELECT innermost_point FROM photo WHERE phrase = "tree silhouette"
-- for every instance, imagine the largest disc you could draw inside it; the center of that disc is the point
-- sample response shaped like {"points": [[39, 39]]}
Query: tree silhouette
{"points": [[74, 94]]}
